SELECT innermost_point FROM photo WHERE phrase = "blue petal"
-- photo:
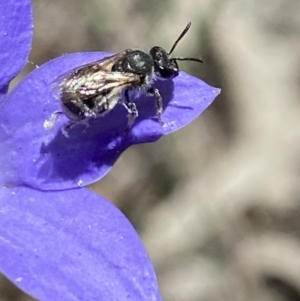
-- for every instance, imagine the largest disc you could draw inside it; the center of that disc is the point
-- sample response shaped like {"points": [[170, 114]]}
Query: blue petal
{"points": [[16, 29], [72, 245]]}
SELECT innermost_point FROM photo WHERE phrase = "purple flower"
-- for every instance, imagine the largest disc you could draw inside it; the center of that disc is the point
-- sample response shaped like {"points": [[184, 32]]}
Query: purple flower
{"points": [[58, 241], [50, 160]]}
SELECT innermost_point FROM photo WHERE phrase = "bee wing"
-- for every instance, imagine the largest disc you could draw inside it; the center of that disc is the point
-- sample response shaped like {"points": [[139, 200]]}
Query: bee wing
{"points": [[104, 64], [97, 84]]}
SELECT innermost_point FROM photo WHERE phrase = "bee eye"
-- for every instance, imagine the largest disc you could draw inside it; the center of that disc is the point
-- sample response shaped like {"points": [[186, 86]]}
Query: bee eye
{"points": [[163, 66]]}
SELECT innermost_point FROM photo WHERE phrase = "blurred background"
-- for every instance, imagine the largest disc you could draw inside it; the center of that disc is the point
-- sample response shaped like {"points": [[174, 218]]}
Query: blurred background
{"points": [[217, 203]]}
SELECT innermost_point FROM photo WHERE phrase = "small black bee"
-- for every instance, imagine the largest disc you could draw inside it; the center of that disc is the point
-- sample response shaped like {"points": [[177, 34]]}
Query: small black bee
{"points": [[96, 88]]}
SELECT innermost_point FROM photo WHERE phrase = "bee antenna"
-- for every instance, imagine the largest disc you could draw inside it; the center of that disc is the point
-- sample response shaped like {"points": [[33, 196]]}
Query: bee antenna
{"points": [[187, 59], [180, 37]]}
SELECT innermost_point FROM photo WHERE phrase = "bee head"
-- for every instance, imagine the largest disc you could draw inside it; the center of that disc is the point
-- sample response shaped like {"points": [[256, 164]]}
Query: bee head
{"points": [[165, 66]]}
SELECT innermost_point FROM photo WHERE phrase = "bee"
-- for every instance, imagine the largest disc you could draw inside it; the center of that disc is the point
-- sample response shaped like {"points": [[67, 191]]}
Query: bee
{"points": [[96, 88]]}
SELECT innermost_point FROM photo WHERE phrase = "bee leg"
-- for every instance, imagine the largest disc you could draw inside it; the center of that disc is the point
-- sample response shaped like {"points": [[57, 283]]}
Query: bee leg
{"points": [[131, 109], [159, 103]]}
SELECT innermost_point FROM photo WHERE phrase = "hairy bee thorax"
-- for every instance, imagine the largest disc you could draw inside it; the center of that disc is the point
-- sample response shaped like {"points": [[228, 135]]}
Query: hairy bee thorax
{"points": [[136, 62]]}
